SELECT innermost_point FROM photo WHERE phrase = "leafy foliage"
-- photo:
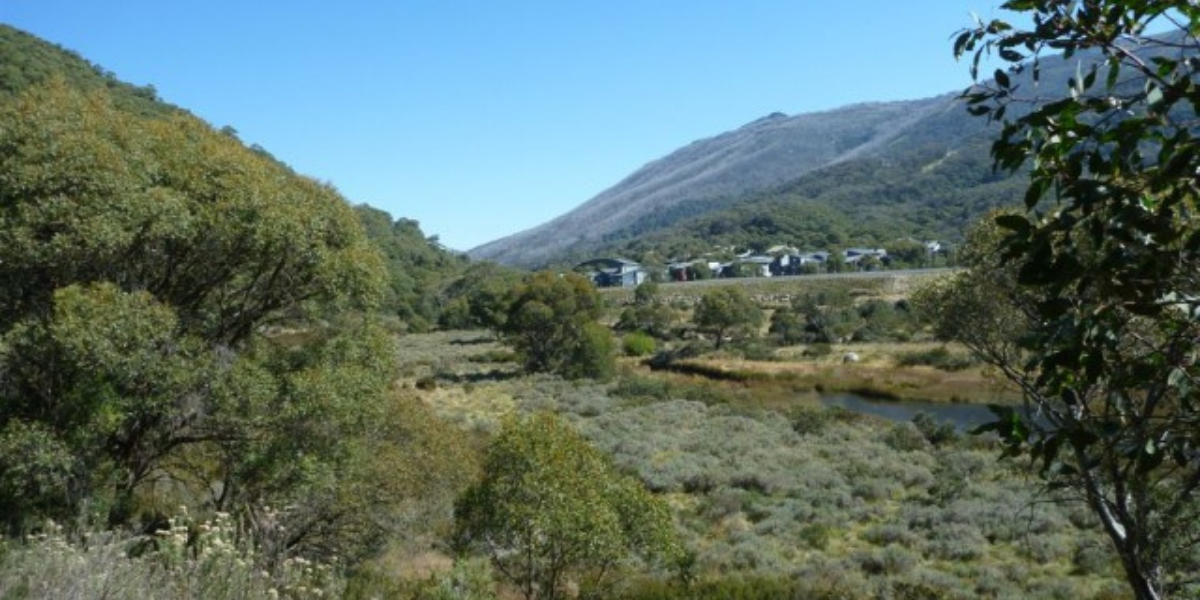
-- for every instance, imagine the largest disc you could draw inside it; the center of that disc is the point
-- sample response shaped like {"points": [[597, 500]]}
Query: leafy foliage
{"points": [[177, 307], [417, 267], [550, 506], [552, 323], [648, 314], [479, 297], [1110, 270], [728, 312], [27, 62]]}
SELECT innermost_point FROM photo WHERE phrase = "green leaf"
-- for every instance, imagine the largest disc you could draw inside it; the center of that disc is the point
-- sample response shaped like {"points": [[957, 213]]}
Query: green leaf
{"points": [[1011, 55], [1114, 71], [1012, 222], [1002, 79]]}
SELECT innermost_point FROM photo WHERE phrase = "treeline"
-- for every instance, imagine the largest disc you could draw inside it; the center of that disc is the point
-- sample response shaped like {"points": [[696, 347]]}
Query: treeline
{"points": [[26, 61], [418, 268]]}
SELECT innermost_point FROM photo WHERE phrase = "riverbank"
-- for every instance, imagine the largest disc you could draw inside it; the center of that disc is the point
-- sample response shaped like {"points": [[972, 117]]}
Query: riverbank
{"points": [[876, 374]]}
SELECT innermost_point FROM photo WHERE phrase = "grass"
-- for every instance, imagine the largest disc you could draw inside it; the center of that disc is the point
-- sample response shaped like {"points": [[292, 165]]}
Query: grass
{"points": [[878, 374], [776, 494]]}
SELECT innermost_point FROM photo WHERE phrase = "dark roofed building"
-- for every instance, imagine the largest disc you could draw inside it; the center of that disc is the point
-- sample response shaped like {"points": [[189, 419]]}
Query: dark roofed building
{"points": [[612, 272]]}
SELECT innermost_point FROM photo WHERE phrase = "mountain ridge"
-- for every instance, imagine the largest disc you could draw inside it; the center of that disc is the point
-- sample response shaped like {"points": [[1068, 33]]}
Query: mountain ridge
{"points": [[766, 152], [842, 160]]}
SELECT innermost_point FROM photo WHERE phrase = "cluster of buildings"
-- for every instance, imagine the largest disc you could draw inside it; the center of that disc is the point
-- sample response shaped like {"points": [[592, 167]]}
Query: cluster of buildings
{"points": [[775, 262]]}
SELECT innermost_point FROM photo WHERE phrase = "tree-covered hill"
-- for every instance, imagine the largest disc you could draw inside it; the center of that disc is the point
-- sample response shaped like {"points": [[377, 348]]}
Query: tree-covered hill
{"points": [[417, 266], [178, 307], [26, 60]]}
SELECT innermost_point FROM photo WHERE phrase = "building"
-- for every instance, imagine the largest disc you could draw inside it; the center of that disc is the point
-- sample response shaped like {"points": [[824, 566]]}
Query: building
{"points": [[612, 272]]}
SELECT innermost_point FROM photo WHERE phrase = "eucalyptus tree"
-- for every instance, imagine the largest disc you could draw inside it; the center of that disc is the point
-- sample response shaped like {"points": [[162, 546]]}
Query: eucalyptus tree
{"points": [[728, 312], [181, 319], [1106, 260], [551, 508], [552, 321]]}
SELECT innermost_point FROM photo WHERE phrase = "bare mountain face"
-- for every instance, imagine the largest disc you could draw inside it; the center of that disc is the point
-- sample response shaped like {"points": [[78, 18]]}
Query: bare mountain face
{"points": [[717, 172]]}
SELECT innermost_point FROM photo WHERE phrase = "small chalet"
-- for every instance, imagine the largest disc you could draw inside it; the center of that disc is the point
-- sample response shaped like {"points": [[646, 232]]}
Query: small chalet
{"points": [[686, 271], [798, 263], [612, 272], [879, 253], [855, 256], [747, 266]]}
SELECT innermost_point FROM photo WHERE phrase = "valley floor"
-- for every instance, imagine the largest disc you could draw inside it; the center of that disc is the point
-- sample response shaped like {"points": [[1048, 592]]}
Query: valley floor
{"points": [[771, 488]]}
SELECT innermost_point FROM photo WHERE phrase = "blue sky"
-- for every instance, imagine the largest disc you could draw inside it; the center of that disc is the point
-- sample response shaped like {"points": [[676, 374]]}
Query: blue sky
{"points": [[480, 119]]}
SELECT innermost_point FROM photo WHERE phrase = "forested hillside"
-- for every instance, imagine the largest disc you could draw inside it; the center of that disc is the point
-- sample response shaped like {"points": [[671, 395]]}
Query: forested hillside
{"points": [[416, 265], [26, 61], [184, 320]]}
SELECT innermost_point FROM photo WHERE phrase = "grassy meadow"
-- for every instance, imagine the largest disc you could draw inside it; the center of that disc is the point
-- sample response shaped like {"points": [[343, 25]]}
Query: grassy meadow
{"points": [[778, 496]]}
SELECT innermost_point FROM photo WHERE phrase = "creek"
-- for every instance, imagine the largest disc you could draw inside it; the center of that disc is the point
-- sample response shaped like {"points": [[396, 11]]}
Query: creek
{"points": [[964, 416]]}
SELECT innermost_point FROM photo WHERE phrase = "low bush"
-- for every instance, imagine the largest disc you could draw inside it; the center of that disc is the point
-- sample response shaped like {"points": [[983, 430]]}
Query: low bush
{"points": [[938, 358], [212, 560], [637, 387], [638, 344], [731, 587], [756, 350], [905, 437], [812, 420], [936, 432]]}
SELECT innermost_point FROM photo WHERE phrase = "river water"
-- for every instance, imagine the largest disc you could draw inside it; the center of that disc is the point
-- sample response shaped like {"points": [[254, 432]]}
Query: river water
{"points": [[963, 416]]}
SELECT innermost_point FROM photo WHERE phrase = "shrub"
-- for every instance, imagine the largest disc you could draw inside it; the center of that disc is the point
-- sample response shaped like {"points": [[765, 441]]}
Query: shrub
{"points": [[1091, 558], [754, 350], [494, 356], [211, 560], [892, 560], [937, 433], [638, 344], [814, 420], [938, 358], [905, 437], [815, 536], [890, 533], [593, 357], [550, 504]]}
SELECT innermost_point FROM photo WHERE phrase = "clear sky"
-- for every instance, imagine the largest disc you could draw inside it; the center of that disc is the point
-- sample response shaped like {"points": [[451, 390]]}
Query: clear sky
{"points": [[483, 118]]}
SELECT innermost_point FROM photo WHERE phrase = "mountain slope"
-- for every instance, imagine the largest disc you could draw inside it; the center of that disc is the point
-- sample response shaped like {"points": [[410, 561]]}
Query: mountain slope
{"points": [[26, 61], [718, 171], [416, 265], [877, 172]]}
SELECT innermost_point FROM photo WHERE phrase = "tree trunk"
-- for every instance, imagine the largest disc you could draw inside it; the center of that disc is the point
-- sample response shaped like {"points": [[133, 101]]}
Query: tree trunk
{"points": [[1145, 585]]}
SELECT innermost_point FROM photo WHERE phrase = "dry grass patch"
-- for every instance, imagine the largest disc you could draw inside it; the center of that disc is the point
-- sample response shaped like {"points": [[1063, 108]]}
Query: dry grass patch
{"points": [[475, 408], [876, 375]]}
